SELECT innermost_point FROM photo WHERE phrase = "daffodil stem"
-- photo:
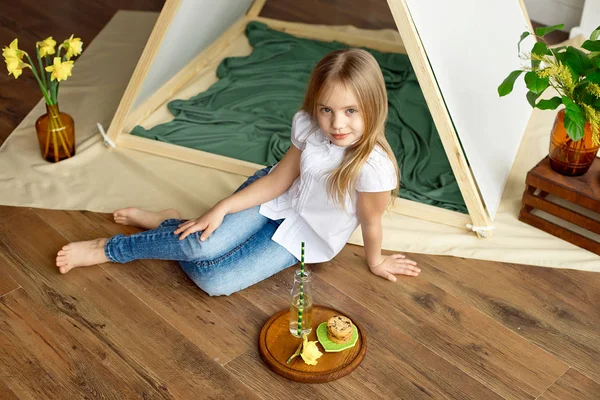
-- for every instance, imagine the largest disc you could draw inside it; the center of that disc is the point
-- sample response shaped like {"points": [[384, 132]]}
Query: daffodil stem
{"points": [[296, 353], [42, 87], [42, 71], [48, 74], [56, 85]]}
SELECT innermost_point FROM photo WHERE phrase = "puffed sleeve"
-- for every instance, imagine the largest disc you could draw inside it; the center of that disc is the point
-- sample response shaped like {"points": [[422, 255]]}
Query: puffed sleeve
{"points": [[377, 175], [301, 128]]}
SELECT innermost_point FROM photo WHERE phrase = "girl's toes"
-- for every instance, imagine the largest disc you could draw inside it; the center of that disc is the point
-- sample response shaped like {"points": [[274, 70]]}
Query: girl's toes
{"points": [[63, 270]]}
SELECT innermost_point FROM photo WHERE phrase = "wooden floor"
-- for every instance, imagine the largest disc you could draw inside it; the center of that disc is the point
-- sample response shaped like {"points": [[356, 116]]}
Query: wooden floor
{"points": [[464, 329]]}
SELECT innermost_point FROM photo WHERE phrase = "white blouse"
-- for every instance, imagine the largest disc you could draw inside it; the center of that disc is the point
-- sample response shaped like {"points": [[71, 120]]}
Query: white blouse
{"points": [[310, 215]]}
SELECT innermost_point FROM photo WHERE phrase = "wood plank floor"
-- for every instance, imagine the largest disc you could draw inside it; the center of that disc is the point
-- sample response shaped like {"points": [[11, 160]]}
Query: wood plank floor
{"points": [[464, 329]]}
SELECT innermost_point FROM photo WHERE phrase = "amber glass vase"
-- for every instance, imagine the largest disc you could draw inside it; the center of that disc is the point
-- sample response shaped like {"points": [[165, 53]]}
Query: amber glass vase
{"points": [[568, 157], [56, 134]]}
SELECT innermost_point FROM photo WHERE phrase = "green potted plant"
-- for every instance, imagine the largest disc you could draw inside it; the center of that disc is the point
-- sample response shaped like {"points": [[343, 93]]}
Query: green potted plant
{"points": [[574, 76]]}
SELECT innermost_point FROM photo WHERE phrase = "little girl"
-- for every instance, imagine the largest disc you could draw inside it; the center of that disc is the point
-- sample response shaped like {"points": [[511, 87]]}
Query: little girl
{"points": [[338, 173]]}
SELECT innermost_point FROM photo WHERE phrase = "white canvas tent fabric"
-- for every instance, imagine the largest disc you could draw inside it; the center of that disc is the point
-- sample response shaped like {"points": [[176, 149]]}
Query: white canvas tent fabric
{"points": [[102, 180], [468, 84]]}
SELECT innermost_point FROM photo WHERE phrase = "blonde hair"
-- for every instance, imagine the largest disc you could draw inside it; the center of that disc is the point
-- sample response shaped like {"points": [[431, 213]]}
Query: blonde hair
{"points": [[358, 71]]}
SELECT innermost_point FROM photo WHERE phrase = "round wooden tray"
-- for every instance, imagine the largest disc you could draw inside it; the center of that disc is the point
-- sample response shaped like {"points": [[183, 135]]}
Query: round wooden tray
{"points": [[276, 344]]}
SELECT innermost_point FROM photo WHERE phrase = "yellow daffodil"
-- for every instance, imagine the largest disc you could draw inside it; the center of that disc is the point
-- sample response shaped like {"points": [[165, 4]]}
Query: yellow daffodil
{"points": [[46, 46], [74, 47], [15, 66], [12, 51], [310, 352], [60, 70]]}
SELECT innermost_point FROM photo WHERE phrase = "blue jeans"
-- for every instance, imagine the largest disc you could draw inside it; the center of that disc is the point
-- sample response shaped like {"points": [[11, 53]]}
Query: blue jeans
{"points": [[238, 254]]}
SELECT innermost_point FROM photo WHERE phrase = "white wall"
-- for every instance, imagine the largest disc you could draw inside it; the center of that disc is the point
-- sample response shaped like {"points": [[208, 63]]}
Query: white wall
{"points": [[590, 19], [554, 12]]}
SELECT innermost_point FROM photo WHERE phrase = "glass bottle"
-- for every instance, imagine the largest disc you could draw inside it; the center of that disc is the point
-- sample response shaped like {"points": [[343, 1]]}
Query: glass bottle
{"points": [[301, 304], [566, 156], [56, 134]]}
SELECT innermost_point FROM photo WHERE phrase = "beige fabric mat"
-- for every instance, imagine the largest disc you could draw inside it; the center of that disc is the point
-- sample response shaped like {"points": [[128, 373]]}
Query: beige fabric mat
{"points": [[102, 180]]}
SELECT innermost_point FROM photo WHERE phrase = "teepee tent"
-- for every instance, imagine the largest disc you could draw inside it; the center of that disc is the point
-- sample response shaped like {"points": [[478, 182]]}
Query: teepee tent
{"points": [[458, 62]]}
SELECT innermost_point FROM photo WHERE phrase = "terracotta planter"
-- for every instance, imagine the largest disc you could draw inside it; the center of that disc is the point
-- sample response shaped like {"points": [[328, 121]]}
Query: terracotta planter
{"points": [[56, 134], [566, 156]]}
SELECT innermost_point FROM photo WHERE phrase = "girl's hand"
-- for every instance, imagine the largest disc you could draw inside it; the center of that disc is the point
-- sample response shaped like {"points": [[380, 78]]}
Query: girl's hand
{"points": [[207, 223], [396, 264]]}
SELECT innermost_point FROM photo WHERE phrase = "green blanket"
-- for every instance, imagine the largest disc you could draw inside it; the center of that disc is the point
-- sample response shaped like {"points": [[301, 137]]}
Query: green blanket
{"points": [[247, 114]]}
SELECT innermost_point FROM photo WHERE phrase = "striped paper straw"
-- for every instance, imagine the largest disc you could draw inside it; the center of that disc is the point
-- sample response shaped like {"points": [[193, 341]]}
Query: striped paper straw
{"points": [[301, 299]]}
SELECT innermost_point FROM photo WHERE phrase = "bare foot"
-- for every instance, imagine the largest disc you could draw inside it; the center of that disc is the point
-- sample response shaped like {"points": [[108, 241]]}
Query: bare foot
{"points": [[142, 218], [81, 254]]}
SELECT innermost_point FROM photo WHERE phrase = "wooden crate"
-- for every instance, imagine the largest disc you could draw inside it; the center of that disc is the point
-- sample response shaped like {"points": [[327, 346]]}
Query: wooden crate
{"points": [[582, 192]]}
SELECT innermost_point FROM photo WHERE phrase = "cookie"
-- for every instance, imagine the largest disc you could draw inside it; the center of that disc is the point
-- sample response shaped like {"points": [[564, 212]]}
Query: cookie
{"points": [[339, 329]]}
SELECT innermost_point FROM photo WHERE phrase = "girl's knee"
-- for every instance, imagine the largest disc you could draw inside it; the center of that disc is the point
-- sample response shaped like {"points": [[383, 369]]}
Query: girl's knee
{"points": [[208, 280], [195, 250]]}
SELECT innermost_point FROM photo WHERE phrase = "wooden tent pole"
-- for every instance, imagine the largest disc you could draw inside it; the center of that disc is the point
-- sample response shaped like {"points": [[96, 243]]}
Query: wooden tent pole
{"points": [[480, 217], [135, 83], [256, 8]]}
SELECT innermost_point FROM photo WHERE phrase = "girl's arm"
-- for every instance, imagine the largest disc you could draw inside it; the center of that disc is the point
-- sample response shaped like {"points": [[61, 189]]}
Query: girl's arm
{"points": [[259, 192], [370, 207], [266, 188]]}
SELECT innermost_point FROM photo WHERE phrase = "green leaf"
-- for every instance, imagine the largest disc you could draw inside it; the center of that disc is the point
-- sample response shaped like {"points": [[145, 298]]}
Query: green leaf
{"points": [[559, 49], [581, 95], [574, 119], [532, 97], [574, 74], [507, 86], [540, 48], [549, 104], [562, 56], [559, 54], [596, 34], [544, 30], [523, 36], [577, 60], [591, 45], [594, 77], [535, 83]]}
